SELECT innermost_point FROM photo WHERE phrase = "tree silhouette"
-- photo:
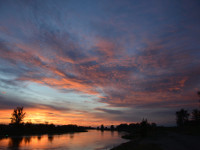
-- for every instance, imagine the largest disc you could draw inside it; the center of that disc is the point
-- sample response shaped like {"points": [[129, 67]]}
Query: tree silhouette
{"points": [[102, 127], [17, 116], [196, 112], [112, 127], [198, 93], [181, 117], [144, 123], [196, 115]]}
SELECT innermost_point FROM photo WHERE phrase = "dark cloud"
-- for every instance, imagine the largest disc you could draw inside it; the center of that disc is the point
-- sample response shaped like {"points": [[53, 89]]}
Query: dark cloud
{"points": [[110, 111], [11, 103], [9, 82], [8, 102]]}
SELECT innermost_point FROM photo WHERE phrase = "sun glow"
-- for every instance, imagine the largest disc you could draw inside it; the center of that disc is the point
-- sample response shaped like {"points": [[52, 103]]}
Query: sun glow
{"points": [[56, 117]]}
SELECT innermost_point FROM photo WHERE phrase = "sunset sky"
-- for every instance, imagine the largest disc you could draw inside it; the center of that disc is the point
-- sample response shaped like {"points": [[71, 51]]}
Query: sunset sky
{"points": [[93, 62]]}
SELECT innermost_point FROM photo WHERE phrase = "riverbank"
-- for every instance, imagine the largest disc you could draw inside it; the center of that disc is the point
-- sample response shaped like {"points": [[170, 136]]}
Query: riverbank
{"points": [[137, 144], [167, 140]]}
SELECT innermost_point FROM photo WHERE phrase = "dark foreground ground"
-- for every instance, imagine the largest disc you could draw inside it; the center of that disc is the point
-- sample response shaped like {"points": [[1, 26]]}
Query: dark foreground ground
{"points": [[164, 140]]}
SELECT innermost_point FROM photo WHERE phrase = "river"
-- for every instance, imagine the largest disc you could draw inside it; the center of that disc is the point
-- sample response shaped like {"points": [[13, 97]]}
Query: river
{"points": [[91, 140]]}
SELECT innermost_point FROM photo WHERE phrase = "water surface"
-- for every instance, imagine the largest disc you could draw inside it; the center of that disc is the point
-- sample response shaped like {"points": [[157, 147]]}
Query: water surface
{"points": [[91, 140]]}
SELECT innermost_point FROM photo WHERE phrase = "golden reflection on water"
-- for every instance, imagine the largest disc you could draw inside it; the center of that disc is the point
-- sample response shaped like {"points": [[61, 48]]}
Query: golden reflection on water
{"points": [[73, 141]]}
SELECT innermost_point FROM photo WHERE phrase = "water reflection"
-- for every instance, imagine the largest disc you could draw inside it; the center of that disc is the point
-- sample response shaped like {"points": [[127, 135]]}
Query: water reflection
{"points": [[27, 139], [73, 141], [50, 138], [14, 142], [71, 135], [102, 132], [112, 133], [39, 137]]}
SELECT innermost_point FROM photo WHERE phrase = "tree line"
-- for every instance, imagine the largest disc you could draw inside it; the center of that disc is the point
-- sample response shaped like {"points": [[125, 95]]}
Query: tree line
{"points": [[182, 117]]}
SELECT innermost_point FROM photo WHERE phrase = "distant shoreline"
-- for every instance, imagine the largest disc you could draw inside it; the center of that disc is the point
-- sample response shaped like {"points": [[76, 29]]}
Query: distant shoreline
{"points": [[35, 134], [38, 129]]}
